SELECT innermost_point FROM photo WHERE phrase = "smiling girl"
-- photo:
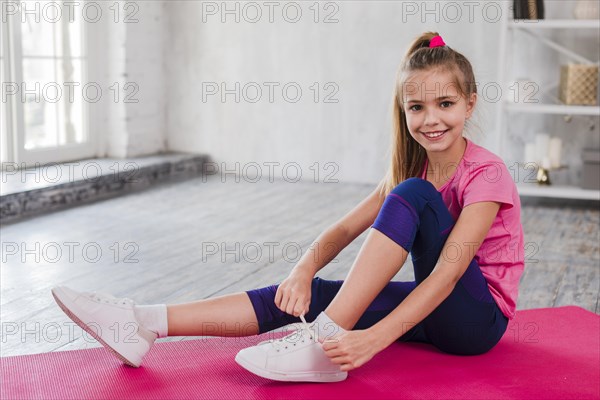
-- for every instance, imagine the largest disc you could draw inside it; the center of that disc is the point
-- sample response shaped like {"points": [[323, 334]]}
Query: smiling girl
{"points": [[446, 201]]}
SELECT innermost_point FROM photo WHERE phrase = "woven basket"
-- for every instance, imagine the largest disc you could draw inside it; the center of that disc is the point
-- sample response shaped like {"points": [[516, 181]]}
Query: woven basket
{"points": [[579, 84]]}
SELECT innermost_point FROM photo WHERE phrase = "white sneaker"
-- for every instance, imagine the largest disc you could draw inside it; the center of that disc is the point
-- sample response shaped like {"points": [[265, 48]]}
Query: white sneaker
{"points": [[298, 357], [109, 320]]}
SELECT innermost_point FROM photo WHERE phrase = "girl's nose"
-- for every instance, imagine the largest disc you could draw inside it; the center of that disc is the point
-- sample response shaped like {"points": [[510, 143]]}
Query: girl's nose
{"points": [[431, 117]]}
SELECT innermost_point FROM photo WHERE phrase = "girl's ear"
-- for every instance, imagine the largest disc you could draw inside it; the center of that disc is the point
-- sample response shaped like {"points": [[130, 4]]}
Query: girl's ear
{"points": [[471, 104]]}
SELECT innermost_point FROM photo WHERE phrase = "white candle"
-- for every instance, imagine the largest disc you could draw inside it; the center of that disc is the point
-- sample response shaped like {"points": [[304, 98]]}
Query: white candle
{"points": [[546, 163], [530, 153], [554, 150], [541, 142]]}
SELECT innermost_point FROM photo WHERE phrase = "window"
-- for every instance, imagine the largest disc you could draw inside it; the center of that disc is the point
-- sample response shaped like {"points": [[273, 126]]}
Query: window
{"points": [[44, 115], [3, 103]]}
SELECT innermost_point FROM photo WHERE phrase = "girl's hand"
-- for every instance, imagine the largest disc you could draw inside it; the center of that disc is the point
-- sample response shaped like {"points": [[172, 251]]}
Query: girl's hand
{"points": [[351, 349], [293, 294]]}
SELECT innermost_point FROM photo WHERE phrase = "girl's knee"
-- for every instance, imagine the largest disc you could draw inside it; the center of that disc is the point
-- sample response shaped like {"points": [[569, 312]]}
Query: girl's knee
{"points": [[412, 185], [416, 193]]}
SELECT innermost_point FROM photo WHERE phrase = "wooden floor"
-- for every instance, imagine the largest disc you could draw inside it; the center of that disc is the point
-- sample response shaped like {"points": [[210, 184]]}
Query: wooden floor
{"points": [[177, 242]]}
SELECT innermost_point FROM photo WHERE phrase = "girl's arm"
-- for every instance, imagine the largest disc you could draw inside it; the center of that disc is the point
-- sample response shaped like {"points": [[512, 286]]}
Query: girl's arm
{"points": [[294, 293], [466, 237], [339, 235]]}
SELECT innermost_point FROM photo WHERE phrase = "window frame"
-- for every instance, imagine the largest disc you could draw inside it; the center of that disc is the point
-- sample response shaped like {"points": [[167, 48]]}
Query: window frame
{"points": [[16, 153]]}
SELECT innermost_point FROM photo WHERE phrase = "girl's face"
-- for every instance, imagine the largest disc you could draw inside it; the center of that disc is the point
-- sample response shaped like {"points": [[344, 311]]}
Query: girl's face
{"points": [[435, 111]]}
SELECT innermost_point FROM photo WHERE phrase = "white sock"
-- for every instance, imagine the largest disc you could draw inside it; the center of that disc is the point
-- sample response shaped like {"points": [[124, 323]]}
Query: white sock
{"points": [[326, 328], [153, 317]]}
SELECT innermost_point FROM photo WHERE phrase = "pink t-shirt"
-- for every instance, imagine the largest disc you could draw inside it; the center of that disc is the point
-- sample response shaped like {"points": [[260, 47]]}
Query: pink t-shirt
{"points": [[483, 176]]}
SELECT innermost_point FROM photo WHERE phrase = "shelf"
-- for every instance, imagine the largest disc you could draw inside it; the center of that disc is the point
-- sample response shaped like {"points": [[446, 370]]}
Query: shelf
{"points": [[561, 109], [553, 35], [561, 192], [555, 24]]}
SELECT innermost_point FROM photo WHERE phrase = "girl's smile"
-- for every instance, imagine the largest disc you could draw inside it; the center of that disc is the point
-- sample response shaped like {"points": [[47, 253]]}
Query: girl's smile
{"points": [[434, 135]]}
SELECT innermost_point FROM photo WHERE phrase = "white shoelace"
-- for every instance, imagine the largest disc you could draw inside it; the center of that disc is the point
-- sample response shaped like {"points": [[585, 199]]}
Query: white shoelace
{"points": [[289, 340], [109, 299]]}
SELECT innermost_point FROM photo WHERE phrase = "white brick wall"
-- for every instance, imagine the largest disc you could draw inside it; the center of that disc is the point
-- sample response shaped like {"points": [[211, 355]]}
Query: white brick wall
{"points": [[131, 54]]}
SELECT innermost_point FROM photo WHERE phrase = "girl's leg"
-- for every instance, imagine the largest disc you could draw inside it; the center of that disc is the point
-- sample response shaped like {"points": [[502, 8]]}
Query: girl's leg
{"points": [[229, 315], [398, 230], [377, 262], [356, 299], [350, 303], [468, 321], [416, 220], [323, 291]]}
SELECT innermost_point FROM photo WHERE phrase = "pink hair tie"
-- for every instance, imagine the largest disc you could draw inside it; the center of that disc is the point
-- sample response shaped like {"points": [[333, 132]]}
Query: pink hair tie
{"points": [[436, 41]]}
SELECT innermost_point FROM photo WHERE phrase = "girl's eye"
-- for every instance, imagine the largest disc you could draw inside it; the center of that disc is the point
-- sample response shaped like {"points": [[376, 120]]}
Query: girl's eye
{"points": [[444, 104]]}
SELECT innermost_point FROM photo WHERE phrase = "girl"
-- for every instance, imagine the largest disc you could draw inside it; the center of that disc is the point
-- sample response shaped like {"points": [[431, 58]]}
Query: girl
{"points": [[447, 201]]}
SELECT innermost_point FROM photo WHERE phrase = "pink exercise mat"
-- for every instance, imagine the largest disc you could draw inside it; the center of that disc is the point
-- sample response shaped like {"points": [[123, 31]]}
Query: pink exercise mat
{"points": [[550, 353]]}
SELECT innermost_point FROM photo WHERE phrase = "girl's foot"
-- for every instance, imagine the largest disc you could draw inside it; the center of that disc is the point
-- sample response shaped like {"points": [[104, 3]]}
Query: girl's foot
{"points": [[298, 357], [109, 320]]}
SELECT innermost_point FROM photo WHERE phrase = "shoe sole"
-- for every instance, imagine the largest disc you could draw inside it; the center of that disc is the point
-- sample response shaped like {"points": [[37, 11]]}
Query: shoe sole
{"points": [[298, 377], [84, 326]]}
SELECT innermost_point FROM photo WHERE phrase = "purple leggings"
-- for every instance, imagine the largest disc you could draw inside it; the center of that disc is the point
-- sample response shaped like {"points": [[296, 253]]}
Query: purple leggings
{"points": [[414, 216]]}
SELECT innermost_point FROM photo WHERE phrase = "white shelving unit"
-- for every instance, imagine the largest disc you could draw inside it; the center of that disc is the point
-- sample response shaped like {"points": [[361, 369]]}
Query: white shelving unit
{"points": [[554, 23], [549, 104]]}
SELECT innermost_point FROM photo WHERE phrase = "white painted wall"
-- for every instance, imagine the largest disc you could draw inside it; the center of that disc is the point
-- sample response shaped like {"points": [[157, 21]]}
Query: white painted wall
{"points": [[129, 56], [360, 54], [180, 47]]}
